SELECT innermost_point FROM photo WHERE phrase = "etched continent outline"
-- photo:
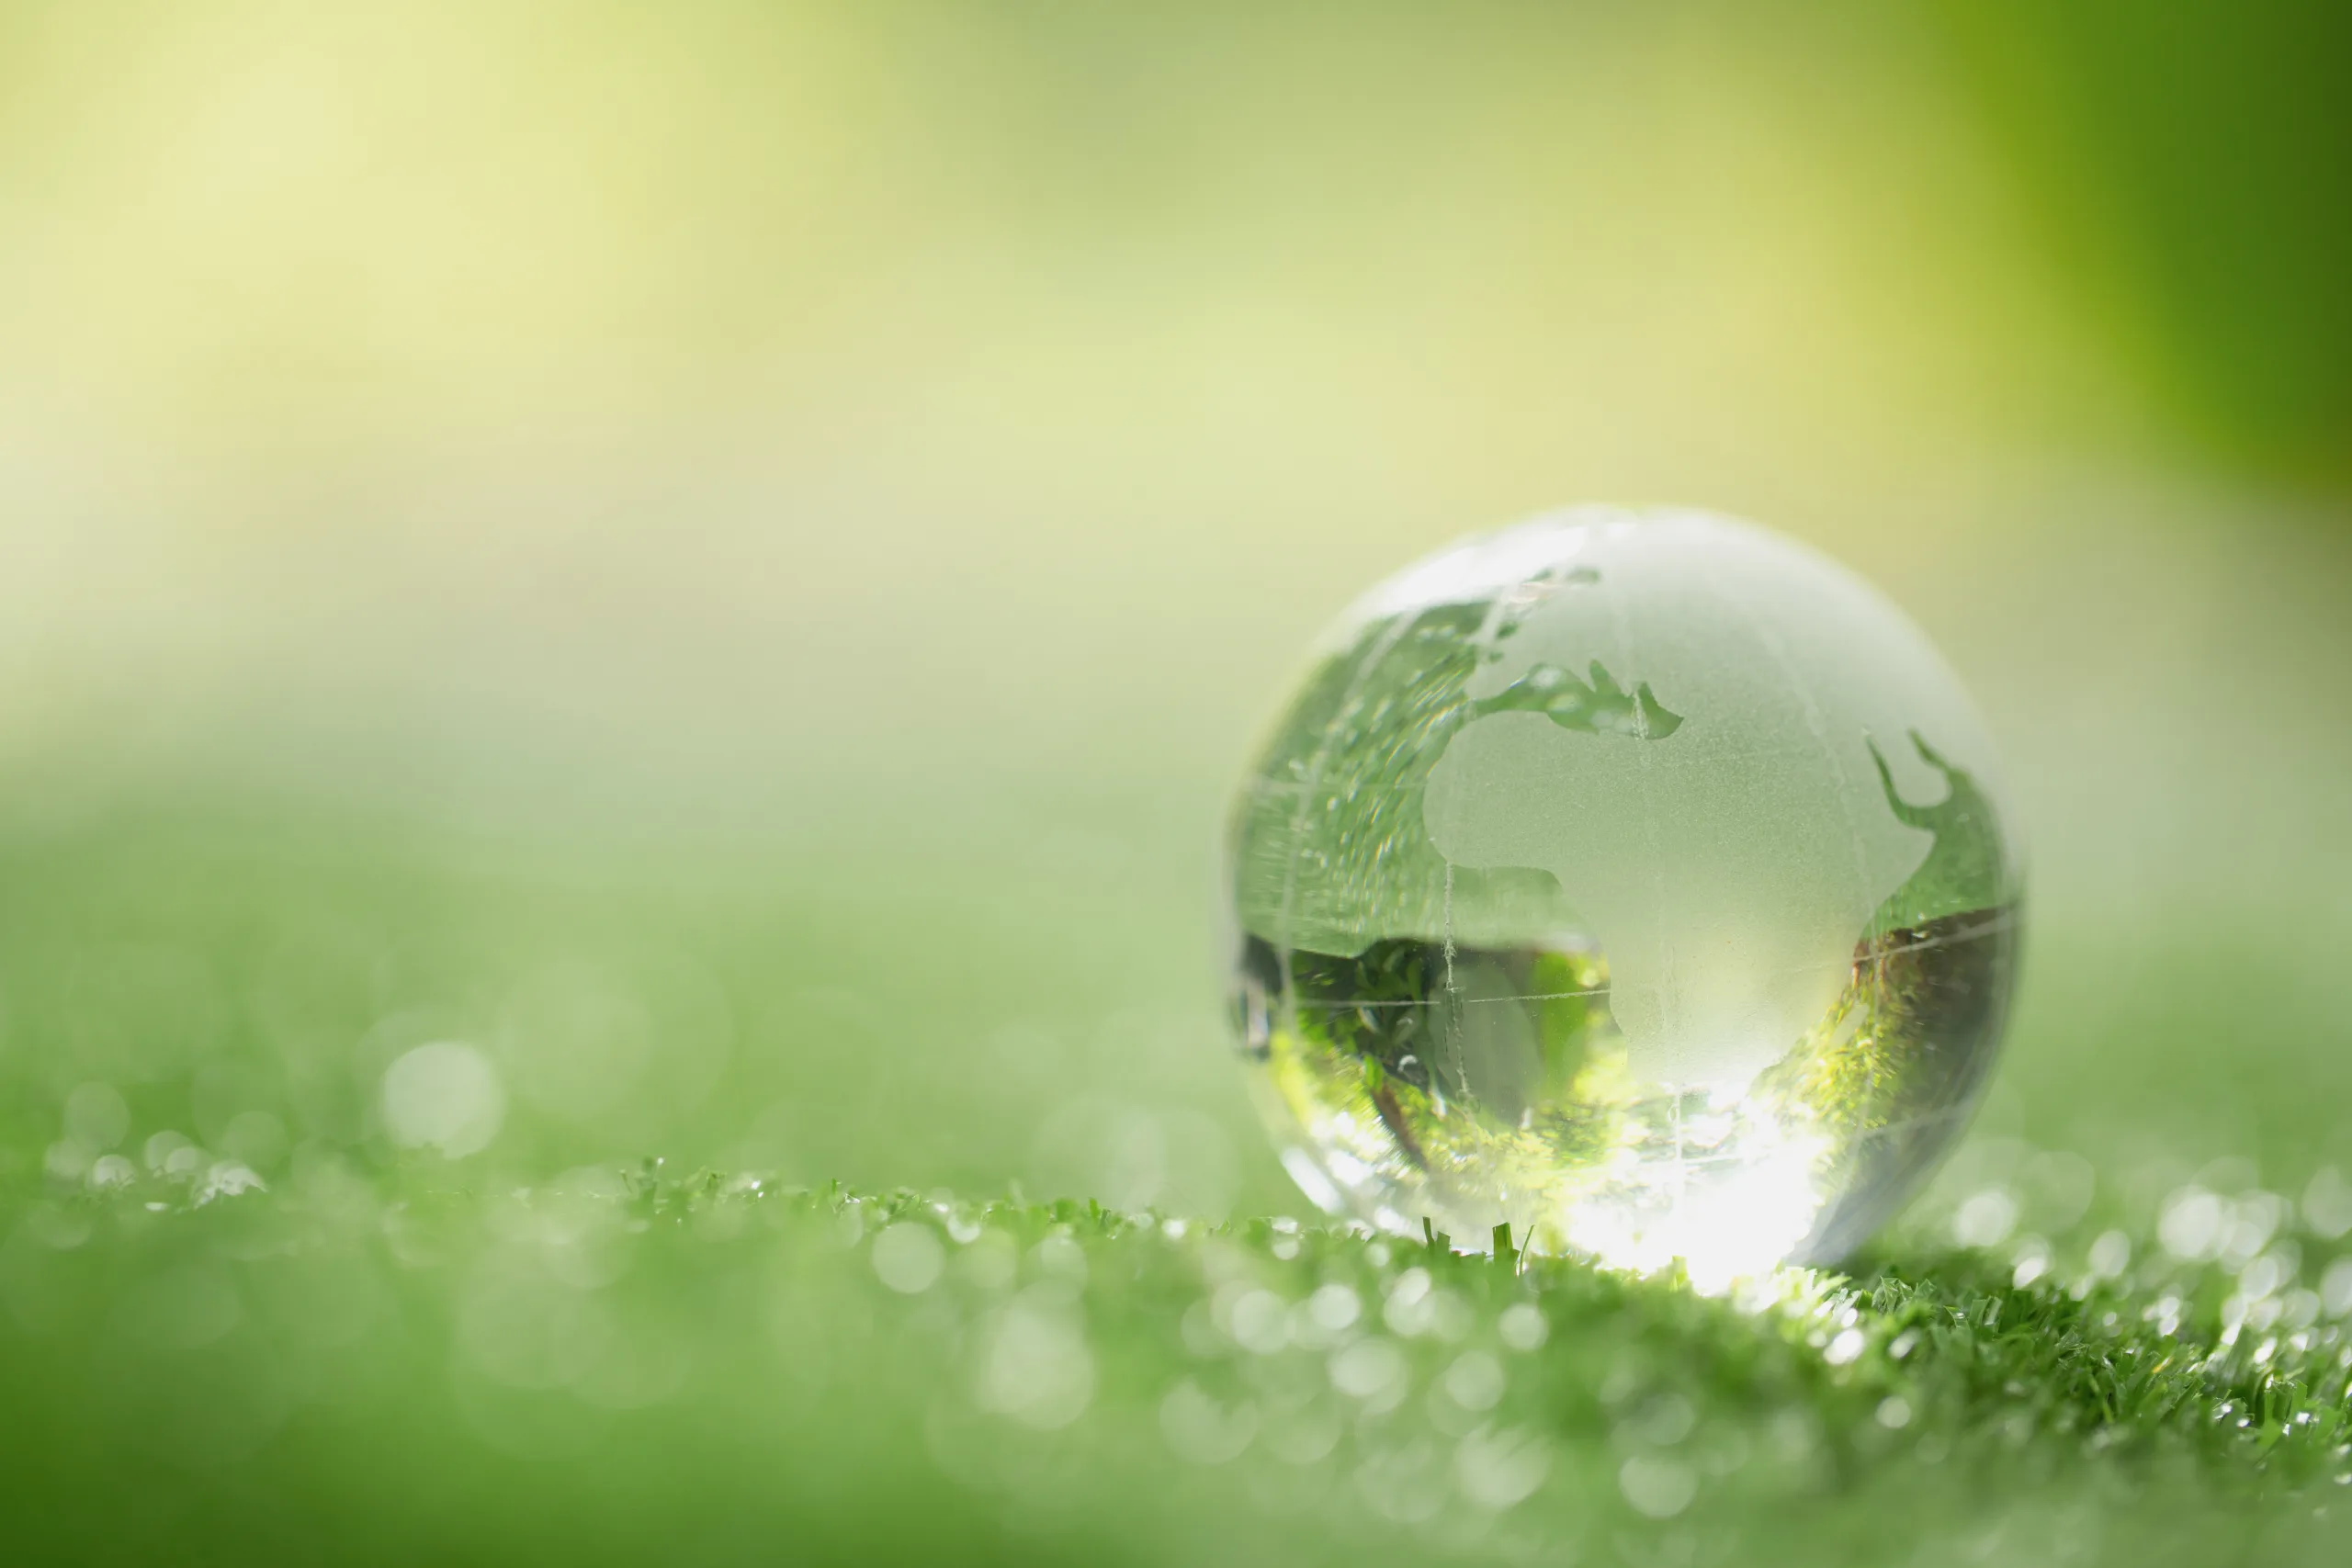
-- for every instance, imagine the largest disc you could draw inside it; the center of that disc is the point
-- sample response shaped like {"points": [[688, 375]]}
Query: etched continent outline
{"points": [[1728, 864]]}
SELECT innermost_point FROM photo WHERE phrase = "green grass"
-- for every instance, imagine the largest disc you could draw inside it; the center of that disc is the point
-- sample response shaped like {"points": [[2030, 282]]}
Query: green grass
{"points": [[544, 1352], [715, 1369]]}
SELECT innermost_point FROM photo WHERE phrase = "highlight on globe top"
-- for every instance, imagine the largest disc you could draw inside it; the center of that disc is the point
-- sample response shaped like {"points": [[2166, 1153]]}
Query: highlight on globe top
{"points": [[1160, 784]]}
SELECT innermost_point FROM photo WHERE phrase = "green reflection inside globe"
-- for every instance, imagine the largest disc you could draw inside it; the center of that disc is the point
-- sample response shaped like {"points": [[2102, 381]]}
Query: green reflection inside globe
{"points": [[1636, 879]]}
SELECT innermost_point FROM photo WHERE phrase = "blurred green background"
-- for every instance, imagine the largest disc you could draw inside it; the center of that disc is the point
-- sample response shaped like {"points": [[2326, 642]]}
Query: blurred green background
{"points": [[723, 557]]}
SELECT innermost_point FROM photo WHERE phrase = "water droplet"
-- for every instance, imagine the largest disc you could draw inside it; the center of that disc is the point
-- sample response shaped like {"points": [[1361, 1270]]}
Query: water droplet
{"points": [[1259, 1322], [1372, 1371], [908, 1257], [445, 1096], [1202, 1431], [1986, 1218], [1501, 1468], [1474, 1381], [1521, 1326], [1658, 1487], [1334, 1307], [1036, 1366]]}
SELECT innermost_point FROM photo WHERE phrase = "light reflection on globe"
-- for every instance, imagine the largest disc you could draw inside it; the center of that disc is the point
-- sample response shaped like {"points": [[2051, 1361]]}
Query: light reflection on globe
{"points": [[1637, 879]]}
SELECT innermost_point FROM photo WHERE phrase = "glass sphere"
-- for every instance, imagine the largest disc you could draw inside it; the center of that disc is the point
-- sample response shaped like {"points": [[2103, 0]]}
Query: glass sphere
{"points": [[1636, 879]]}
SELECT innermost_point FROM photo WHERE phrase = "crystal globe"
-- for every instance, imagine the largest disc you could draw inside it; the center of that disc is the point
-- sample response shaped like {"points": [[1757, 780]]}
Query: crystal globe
{"points": [[1636, 879]]}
